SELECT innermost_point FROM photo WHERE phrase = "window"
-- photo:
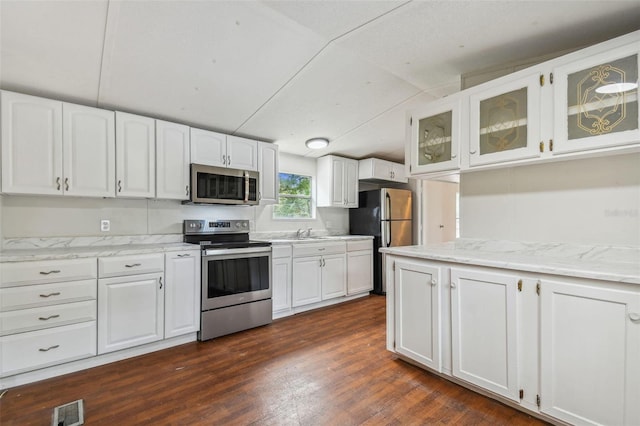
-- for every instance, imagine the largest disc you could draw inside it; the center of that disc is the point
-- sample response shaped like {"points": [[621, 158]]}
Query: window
{"points": [[295, 197]]}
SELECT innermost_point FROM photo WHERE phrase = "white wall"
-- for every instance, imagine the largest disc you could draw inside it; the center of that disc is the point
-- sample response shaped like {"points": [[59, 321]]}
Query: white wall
{"points": [[581, 201], [41, 216]]}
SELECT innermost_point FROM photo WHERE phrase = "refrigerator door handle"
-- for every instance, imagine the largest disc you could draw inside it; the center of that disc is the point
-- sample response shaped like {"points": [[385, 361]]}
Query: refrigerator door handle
{"points": [[388, 222]]}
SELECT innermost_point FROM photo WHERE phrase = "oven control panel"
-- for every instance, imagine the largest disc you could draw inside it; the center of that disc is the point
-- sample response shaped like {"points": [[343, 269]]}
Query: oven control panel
{"points": [[192, 226]]}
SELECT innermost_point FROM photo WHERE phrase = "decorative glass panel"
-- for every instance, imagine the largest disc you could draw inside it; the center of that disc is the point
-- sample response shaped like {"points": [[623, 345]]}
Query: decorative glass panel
{"points": [[434, 139], [503, 122], [598, 103]]}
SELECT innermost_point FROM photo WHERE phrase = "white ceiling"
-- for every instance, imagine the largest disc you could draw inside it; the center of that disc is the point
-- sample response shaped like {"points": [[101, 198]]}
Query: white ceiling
{"points": [[284, 71]]}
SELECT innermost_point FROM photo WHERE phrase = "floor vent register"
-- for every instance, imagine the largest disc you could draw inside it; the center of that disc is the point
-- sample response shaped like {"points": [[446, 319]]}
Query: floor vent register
{"points": [[71, 414]]}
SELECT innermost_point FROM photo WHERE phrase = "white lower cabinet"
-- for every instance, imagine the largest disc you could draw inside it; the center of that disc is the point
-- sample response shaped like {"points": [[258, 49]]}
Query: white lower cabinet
{"points": [[307, 279], [319, 272], [182, 293], [590, 353], [334, 276], [417, 307], [281, 279], [359, 266], [484, 330]]}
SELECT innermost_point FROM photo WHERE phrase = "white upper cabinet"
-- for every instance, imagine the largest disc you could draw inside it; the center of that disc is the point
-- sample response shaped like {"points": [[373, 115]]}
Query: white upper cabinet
{"points": [[435, 134], [375, 169], [595, 103], [242, 153], [504, 121], [216, 149], [208, 148], [135, 156], [268, 168], [31, 145], [337, 182], [172, 161], [89, 151], [55, 148]]}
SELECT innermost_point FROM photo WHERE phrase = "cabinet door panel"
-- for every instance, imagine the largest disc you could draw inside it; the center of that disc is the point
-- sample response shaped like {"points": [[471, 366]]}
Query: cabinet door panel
{"points": [[281, 284], [334, 276], [360, 271], [130, 312], [268, 168], [182, 294], [242, 153], [337, 178], [306, 281], [172, 161], [351, 183], [135, 156], [89, 151], [590, 354], [585, 117], [484, 327], [417, 310], [208, 148], [31, 145]]}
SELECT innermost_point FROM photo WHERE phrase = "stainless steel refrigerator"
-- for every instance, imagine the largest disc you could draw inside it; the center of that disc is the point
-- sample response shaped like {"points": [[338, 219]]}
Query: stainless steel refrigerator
{"points": [[386, 214]]}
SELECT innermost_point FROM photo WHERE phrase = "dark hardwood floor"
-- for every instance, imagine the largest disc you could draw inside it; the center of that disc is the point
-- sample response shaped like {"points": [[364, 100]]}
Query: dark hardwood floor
{"points": [[326, 367]]}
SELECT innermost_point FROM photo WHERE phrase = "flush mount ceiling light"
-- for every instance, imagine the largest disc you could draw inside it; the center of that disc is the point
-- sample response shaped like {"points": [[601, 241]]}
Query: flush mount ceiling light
{"points": [[317, 143], [616, 88]]}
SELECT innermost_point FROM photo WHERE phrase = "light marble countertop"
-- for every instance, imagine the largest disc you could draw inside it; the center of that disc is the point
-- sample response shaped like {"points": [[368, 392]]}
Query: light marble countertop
{"points": [[609, 263], [328, 238]]}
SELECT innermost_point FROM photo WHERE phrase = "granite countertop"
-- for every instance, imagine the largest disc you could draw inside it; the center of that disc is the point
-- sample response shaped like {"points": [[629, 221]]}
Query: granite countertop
{"points": [[610, 263]]}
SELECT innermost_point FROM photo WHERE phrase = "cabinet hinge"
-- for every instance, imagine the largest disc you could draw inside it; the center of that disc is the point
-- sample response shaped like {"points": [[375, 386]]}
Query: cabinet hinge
{"points": [[521, 394], [538, 288], [541, 146], [550, 78], [520, 289], [541, 79], [538, 400], [550, 144]]}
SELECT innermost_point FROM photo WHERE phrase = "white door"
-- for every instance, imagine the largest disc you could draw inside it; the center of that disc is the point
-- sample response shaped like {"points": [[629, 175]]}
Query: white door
{"points": [[590, 353], [268, 168], [359, 271], [242, 153], [208, 148], [281, 288], [307, 279], [31, 145], [338, 197], [334, 276], [351, 183], [182, 293], [135, 156], [130, 311], [484, 330], [417, 312], [172, 161], [89, 148]]}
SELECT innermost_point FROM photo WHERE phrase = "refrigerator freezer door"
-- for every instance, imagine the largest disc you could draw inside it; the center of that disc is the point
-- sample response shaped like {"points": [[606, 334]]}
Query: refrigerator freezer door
{"points": [[396, 233], [395, 204]]}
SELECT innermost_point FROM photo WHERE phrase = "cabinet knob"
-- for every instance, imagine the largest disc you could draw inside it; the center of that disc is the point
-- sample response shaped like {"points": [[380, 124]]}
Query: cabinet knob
{"points": [[434, 282], [453, 284], [634, 317]]}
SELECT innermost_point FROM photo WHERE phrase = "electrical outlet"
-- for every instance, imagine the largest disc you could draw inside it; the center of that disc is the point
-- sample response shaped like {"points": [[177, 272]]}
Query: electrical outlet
{"points": [[105, 225]]}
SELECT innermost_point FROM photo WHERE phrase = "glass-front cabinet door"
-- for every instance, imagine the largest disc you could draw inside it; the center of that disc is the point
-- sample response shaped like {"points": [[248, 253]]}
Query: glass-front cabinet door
{"points": [[596, 101], [504, 121], [435, 136]]}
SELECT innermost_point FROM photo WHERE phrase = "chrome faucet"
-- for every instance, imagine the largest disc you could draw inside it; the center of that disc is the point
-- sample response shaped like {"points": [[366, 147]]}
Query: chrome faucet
{"points": [[300, 233]]}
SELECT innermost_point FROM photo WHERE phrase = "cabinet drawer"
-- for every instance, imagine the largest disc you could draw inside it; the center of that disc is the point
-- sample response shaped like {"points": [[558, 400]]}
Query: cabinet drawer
{"points": [[32, 296], [303, 250], [24, 320], [47, 271], [130, 265], [280, 251], [359, 245], [42, 348]]}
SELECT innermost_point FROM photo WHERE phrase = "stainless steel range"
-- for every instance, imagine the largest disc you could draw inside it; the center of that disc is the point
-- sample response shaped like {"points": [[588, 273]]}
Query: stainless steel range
{"points": [[236, 276]]}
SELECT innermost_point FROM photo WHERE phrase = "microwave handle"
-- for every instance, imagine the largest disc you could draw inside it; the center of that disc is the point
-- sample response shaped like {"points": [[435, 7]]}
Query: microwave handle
{"points": [[246, 187]]}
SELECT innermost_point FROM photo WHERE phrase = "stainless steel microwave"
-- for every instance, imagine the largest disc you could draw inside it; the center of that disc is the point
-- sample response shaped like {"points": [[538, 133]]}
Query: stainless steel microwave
{"points": [[219, 185]]}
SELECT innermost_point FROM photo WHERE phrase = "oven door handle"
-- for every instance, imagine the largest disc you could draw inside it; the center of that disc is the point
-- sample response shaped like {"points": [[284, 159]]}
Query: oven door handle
{"points": [[220, 252]]}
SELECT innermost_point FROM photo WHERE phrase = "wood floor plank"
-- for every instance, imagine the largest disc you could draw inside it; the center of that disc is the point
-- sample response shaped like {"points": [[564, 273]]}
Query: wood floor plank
{"points": [[326, 367]]}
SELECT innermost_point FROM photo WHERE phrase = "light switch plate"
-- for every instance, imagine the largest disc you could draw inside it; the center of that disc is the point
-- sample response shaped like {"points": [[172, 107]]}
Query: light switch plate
{"points": [[105, 225]]}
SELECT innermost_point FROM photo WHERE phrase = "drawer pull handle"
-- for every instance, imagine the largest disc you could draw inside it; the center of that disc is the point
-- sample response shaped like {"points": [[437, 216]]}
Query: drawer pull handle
{"points": [[57, 293], [49, 317], [49, 348], [321, 249], [133, 265], [184, 255], [634, 317], [55, 271]]}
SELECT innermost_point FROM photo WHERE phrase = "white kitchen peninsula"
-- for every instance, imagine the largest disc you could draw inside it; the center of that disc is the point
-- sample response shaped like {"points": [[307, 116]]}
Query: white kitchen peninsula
{"points": [[523, 323]]}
